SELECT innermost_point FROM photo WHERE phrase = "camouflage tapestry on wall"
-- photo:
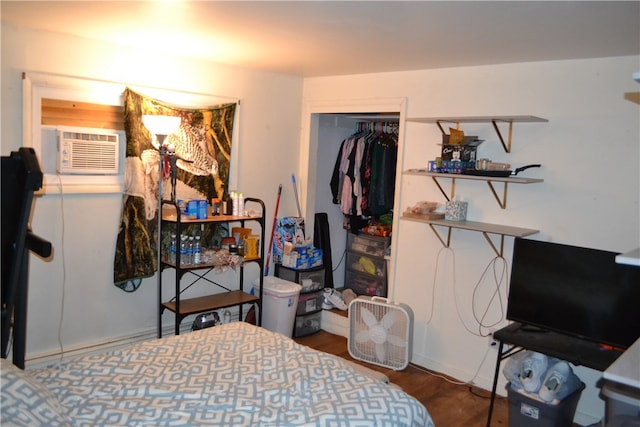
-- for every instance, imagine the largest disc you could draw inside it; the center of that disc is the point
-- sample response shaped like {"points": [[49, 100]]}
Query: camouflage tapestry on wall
{"points": [[203, 139]]}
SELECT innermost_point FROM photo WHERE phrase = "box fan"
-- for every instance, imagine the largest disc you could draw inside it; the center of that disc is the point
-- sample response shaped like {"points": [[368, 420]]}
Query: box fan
{"points": [[380, 332]]}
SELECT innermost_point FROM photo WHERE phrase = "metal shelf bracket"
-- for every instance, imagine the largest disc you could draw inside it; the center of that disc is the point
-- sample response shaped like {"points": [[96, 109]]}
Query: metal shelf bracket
{"points": [[493, 246], [506, 145], [448, 241], [501, 201], [444, 193]]}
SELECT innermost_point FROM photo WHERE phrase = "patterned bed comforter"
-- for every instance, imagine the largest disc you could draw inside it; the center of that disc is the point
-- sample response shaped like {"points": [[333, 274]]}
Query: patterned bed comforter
{"points": [[230, 375]]}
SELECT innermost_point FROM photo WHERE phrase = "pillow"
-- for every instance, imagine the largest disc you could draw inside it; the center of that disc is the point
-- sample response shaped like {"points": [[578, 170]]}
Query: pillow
{"points": [[26, 402]]}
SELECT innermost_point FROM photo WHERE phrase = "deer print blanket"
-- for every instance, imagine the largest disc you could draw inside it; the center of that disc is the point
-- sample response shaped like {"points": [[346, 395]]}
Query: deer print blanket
{"points": [[203, 148]]}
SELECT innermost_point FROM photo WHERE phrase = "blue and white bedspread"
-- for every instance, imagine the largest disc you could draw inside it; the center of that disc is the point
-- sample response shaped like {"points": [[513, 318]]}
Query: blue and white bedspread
{"points": [[229, 375]]}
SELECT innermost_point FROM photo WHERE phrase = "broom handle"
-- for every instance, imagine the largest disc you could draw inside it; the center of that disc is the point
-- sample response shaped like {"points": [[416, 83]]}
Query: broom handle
{"points": [[295, 192], [273, 230]]}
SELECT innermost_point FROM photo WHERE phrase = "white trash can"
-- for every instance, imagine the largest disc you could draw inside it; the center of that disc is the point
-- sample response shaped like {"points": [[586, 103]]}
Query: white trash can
{"points": [[279, 304]]}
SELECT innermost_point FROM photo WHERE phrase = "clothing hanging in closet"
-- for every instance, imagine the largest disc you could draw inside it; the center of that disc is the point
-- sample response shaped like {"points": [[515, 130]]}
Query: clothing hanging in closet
{"points": [[363, 180]]}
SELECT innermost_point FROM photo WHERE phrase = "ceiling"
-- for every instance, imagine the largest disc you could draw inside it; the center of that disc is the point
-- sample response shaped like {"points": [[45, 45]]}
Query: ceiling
{"points": [[321, 38]]}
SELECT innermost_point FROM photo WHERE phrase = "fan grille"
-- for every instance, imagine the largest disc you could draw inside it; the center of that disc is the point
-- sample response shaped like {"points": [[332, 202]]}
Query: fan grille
{"points": [[380, 333]]}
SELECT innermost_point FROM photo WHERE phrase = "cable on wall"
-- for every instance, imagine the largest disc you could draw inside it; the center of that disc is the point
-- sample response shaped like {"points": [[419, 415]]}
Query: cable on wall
{"points": [[435, 277], [499, 277], [64, 269], [497, 293], [480, 319]]}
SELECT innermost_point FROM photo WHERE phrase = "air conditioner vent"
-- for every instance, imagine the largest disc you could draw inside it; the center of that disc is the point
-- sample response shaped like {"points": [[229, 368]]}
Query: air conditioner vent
{"points": [[92, 152]]}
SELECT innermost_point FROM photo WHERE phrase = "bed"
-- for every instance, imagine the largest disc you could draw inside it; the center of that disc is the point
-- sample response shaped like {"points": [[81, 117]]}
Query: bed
{"points": [[235, 374]]}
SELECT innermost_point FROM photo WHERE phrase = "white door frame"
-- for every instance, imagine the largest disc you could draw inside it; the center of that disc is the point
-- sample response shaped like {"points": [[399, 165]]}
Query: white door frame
{"points": [[309, 147]]}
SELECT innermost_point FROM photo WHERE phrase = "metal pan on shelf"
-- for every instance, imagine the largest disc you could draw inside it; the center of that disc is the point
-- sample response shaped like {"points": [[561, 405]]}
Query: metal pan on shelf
{"points": [[499, 173]]}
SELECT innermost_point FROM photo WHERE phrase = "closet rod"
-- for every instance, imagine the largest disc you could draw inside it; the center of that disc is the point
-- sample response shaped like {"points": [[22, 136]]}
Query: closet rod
{"points": [[371, 116]]}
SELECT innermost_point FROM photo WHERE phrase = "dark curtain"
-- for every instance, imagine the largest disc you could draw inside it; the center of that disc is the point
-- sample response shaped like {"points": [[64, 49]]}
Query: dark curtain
{"points": [[204, 139]]}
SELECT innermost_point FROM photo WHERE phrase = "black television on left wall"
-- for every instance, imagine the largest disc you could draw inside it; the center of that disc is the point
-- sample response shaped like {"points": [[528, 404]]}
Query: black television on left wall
{"points": [[576, 291]]}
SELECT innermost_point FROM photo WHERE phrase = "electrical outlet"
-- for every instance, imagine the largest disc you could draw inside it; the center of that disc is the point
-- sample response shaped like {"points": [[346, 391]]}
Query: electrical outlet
{"points": [[491, 341]]}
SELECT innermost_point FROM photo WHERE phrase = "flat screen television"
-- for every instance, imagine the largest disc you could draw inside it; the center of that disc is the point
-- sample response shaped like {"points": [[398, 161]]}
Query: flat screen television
{"points": [[573, 290]]}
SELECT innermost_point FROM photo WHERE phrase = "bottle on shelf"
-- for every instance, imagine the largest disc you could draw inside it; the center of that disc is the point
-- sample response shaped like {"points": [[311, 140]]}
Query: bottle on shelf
{"points": [[227, 205], [172, 249], [183, 249], [240, 201], [215, 206], [235, 204], [197, 251], [190, 250]]}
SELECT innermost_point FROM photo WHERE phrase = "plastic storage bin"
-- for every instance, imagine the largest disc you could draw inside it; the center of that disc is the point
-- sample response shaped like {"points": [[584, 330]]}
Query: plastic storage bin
{"points": [[307, 324], [365, 244], [366, 267], [279, 304], [364, 284], [622, 403], [309, 303], [525, 411], [311, 279]]}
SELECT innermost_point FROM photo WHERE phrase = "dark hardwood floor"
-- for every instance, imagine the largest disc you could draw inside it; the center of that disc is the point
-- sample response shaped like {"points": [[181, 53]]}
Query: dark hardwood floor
{"points": [[450, 405]]}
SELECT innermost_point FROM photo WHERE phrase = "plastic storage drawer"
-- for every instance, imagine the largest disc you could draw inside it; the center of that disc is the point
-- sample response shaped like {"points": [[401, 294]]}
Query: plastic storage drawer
{"points": [[527, 412], [371, 245], [311, 279], [307, 325], [308, 303], [367, 264], [365, 284]]}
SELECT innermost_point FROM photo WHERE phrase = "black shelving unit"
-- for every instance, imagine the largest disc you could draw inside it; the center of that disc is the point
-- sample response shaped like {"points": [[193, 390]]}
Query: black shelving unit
{"points": [[229, 297]]}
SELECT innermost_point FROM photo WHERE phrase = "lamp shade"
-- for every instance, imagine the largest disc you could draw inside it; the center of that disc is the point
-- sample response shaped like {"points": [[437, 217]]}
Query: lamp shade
{"points": [[161, 125]]}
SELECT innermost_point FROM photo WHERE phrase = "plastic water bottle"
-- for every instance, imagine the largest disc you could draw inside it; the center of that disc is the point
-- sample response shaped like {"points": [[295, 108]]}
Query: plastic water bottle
{"points": [[235, 205], [183, 250], [172, 249], [190, 250], [240, 202], [197, 250]]}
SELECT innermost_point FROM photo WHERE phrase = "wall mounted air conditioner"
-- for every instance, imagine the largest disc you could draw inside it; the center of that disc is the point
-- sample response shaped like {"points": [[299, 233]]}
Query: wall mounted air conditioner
{"points": [[88, 151]]}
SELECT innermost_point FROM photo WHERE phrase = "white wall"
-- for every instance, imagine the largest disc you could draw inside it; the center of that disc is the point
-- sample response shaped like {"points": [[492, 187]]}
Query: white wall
{"points": [[73, 301], [589, 152]]}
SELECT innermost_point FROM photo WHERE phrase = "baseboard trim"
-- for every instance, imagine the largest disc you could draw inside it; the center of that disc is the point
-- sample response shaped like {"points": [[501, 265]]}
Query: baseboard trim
{"points": [[44, 359], [335, 323]]}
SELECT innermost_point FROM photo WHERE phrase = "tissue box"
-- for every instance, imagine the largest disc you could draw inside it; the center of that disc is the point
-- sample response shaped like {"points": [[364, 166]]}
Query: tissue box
{"points": [[301, 257], [455, 211], [296, 260]]}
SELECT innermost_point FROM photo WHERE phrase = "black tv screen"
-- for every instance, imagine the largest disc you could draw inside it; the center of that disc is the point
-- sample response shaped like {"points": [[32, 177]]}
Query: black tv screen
{"points": [[576, 291]]}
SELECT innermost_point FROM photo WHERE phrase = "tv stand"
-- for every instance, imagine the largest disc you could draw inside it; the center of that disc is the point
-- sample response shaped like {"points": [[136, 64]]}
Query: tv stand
{"points": [[518, 337]]}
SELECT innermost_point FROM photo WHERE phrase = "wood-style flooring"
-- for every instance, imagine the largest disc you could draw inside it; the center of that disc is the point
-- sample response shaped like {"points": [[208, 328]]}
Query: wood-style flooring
{"points": [[450, 405]]}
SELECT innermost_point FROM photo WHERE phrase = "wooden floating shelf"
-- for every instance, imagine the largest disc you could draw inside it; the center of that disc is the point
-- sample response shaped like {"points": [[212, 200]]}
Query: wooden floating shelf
{"points": [[494, 120], [479, 119], [501, 199], [482, 227], [513, 179]]}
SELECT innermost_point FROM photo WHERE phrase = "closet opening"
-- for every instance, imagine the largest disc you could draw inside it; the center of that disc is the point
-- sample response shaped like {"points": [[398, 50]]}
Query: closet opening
{"points": [[355, 179]]}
